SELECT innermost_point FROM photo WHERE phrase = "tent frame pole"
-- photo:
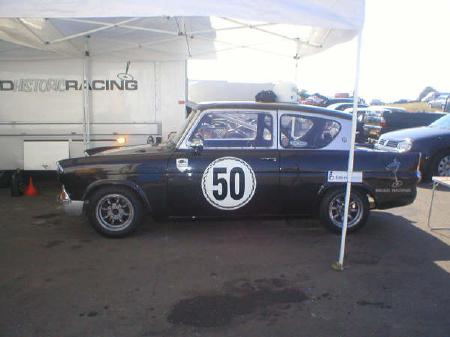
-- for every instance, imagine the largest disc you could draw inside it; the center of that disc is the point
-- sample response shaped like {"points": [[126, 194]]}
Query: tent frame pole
{"points": [[86, 101], [339, 265]]}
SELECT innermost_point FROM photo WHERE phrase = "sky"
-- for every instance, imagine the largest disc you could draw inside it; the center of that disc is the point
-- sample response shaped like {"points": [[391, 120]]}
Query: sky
{"points": [[405, 47]]}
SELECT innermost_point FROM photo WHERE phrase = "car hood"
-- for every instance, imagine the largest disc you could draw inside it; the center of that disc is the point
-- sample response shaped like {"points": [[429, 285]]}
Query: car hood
{"points": [[134, 150], [422, 132], [146, 157]]}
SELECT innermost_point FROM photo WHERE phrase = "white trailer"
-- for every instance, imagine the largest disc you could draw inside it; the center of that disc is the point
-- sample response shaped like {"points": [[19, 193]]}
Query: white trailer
{"points": [[202, 91], [43, 118]]}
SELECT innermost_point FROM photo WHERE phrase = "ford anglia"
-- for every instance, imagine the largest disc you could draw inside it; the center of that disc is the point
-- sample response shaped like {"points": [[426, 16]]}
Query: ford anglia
{"points": [[235, 159]]}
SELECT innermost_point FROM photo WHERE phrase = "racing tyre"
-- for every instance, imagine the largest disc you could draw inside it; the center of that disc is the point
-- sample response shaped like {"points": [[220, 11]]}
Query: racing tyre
{"points": [[332, 210], [115, 211], [440, 166], [5, 177]]}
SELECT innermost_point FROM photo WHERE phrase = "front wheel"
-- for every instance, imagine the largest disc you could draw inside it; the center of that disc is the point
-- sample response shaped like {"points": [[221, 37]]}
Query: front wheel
{"points": [[440, 165], [115, 211], [332, 209]]}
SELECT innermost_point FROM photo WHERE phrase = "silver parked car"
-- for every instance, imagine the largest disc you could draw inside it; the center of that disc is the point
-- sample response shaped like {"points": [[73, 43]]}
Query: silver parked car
{"points": [[439, 102]]}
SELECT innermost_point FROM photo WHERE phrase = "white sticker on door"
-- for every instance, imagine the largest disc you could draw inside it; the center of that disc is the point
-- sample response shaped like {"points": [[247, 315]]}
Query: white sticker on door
{"points": [[182, 164], [341, 177], [228, 183]]}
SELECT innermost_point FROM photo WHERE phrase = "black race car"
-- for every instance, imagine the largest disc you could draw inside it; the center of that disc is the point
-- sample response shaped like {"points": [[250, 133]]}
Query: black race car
{"points": [[240, 159]]}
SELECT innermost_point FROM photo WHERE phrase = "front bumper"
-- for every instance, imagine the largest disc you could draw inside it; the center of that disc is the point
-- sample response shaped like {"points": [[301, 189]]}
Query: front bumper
{"points": [[70, 207]]}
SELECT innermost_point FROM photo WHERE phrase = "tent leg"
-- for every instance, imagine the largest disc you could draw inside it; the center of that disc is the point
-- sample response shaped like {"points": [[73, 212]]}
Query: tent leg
{"points": [[339, 265]]}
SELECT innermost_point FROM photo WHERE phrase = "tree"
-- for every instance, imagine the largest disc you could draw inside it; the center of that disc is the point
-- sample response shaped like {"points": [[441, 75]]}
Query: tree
{"points": [[425, 92]]}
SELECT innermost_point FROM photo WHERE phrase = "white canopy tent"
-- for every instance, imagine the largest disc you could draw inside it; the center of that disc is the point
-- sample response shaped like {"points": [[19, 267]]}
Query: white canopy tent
{"points": [[174, 28], [179, 30]]}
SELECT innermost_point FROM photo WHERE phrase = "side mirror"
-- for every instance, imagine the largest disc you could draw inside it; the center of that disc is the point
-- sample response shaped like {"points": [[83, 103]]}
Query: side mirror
{"points": [[197, 145]]}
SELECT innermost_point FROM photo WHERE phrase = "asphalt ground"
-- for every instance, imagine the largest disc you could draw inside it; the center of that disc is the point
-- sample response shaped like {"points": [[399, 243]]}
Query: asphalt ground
{"points": [[259, 277]]}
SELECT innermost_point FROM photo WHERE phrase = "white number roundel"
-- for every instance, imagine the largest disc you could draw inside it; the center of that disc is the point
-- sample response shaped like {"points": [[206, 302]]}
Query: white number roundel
{"points": [[228, 183]]}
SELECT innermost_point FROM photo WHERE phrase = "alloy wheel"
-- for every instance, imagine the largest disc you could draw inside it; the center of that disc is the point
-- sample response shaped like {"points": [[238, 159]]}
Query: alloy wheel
{"points": [[336, 210], [114, 212]]}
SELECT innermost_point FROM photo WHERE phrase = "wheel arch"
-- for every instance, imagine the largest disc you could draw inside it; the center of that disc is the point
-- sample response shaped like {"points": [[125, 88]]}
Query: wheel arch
{"points": [[98, 184], [362, 188]]}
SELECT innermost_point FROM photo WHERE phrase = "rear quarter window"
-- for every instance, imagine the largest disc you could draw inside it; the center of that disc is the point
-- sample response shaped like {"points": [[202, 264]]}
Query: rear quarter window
{"points": [[306, 132]]}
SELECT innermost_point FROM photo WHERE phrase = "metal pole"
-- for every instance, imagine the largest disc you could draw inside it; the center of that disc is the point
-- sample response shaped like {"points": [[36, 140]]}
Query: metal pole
{"points": [[85, 86], [186, 88], [84, 106], [339, 265]]}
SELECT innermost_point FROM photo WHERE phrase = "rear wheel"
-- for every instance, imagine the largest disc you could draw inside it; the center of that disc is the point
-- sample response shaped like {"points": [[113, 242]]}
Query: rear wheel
{"points": [[332, 210], [115, 211]]}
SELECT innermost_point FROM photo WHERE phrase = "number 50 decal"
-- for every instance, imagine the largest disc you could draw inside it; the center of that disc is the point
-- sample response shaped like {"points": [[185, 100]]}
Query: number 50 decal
{"points": [[228, 183]]}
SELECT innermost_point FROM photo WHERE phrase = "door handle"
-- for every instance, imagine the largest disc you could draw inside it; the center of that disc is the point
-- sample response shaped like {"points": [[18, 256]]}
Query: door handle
{"points": [[269, 159]]}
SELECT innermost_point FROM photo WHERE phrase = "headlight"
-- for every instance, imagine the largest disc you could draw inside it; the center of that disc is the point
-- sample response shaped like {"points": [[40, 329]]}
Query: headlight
{"points": [[121, 140], [404, 146]]}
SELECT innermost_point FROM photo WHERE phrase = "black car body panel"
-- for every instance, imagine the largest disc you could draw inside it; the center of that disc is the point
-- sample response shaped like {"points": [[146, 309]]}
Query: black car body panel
{"points": [[286, 181], [377, 181]]}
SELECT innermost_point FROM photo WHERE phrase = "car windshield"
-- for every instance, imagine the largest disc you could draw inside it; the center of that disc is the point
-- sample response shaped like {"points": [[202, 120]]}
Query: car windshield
{"points": [[443, 122]]}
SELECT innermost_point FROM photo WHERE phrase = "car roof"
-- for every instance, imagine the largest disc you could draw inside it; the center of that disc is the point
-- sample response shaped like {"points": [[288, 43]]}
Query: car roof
{"points": [[337, 105], [273, 106], [350, 110], [386, 107]]}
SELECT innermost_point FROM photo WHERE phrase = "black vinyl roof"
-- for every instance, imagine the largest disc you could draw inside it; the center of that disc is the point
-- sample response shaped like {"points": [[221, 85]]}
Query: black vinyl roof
{"points": [[273, 106]]}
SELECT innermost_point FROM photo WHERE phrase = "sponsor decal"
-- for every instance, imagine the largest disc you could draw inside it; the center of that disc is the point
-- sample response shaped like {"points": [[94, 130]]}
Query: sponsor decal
{"points": [[341, 177], [228, 183], [396, 185], [393, 190], [394, 166], [182, 164], [122, 82]]}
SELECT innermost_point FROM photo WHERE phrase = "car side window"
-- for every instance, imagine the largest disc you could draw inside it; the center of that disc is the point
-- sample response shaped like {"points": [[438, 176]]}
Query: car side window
{"points": [[297, 131], [234, 129]]}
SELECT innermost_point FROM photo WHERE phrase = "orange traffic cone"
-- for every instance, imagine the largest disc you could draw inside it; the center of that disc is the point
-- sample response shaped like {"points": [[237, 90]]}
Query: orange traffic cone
{"points": [[31, 190]]}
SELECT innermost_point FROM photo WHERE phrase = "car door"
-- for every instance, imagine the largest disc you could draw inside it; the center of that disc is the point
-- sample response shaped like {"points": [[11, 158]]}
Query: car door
{"points": [[234, 172], [305, 158]]}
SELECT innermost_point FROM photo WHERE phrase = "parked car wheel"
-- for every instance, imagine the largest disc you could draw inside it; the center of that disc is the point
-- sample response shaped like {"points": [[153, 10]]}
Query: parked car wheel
{"points": [[115, 211], [332, 210], [440, 166], [5, 178]]}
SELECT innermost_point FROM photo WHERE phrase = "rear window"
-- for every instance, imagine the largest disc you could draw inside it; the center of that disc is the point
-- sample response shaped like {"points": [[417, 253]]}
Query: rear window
{"points": [[305, 132]]}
